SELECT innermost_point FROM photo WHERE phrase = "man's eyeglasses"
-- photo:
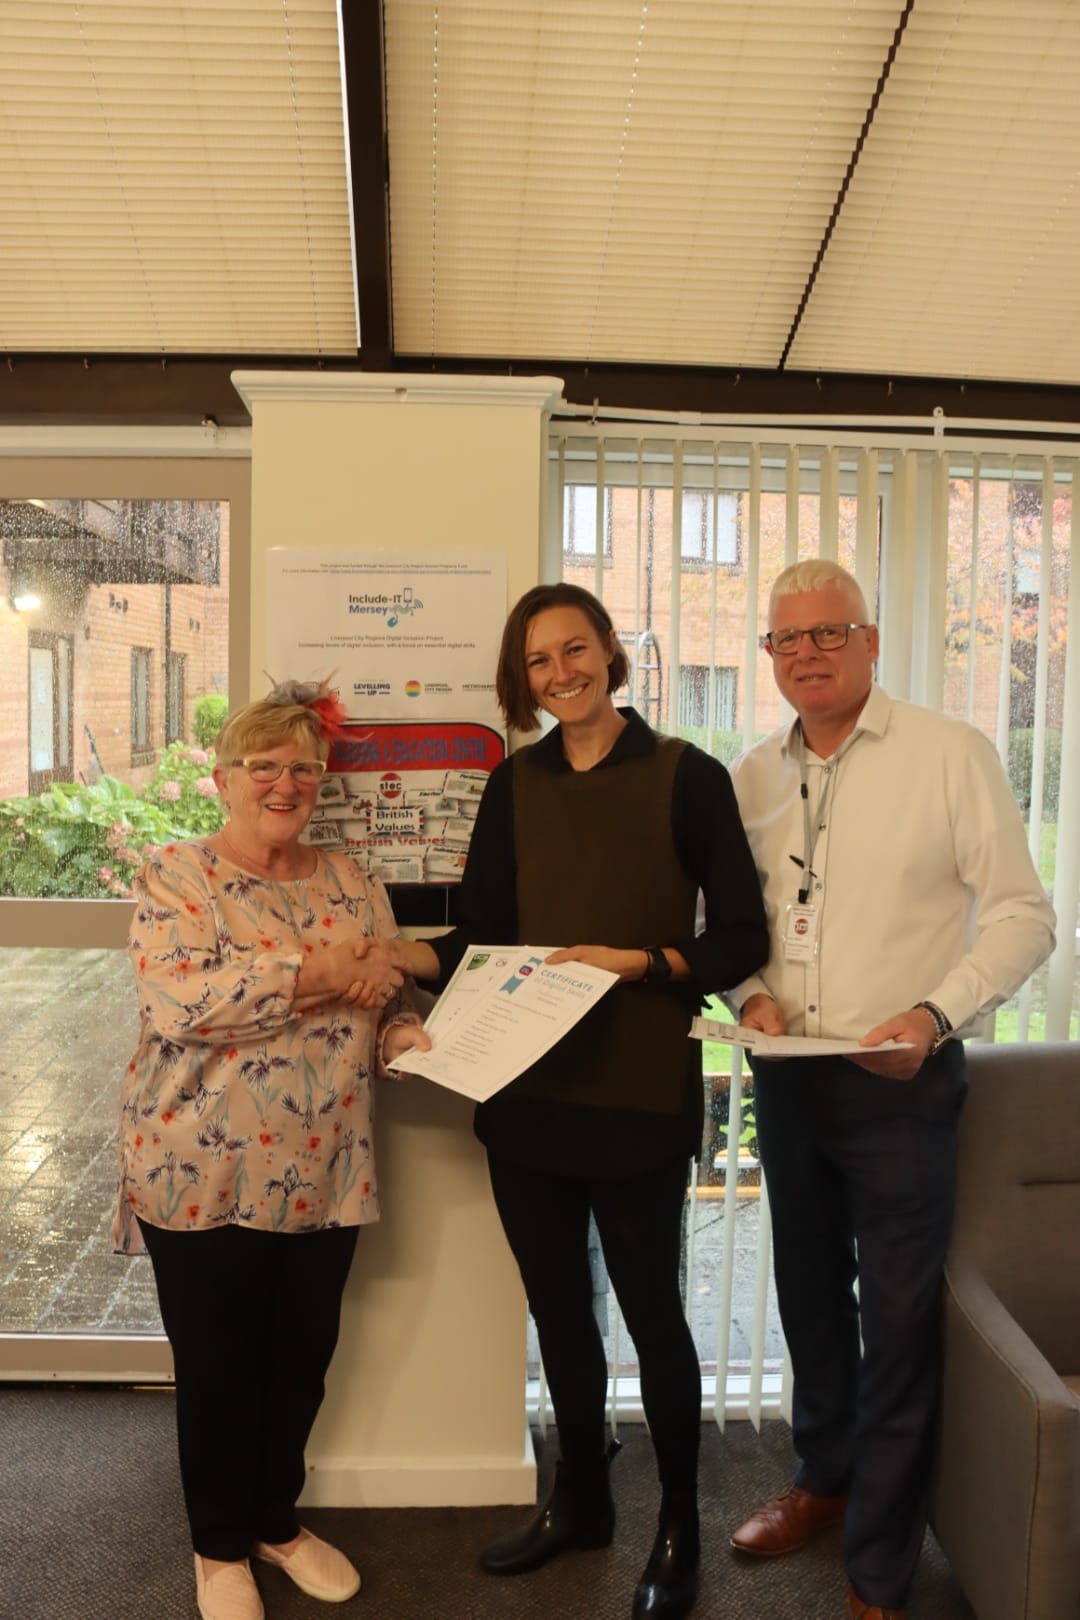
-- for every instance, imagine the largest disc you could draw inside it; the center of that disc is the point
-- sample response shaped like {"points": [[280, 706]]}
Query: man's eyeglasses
{"points": [[826, 637], [304, 771]]}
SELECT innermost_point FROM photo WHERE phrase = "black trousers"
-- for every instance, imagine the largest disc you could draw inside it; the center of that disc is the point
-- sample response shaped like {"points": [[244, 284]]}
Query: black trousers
{"points": [[252, 1318], [546, 1220], [861, 1174]]}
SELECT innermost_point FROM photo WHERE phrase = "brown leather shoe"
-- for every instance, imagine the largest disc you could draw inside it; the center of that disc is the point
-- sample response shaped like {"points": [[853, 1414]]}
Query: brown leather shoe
{"points": [[787, 1522], [858, 1610]]}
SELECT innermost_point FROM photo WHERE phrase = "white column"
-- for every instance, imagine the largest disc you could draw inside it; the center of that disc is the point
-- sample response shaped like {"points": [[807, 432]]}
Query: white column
{"points": [[425, 1401]]}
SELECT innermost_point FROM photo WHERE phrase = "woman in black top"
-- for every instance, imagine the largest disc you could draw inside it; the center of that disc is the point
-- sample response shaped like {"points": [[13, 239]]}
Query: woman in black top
{"points": [[604, 830]]}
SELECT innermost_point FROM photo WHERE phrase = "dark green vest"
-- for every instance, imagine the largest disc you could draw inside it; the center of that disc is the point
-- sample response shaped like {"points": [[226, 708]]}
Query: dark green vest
{"points": [[596, 865]]}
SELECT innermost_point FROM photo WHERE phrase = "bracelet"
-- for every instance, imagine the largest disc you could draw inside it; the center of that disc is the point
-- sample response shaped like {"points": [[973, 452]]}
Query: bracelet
{"points": [[942, 1027]]}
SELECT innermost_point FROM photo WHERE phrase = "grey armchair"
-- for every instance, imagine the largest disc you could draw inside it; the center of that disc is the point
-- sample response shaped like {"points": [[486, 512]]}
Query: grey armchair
{"points": [[1006, 1488]]}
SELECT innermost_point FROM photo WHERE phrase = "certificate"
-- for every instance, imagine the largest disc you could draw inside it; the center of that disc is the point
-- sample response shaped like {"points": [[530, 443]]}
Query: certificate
{"points": [[503, 1009], [776, 1046]]}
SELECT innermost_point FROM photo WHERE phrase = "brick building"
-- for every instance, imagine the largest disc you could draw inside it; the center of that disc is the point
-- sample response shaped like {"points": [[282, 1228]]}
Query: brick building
{"points": [[637, 590], [113, 622]]}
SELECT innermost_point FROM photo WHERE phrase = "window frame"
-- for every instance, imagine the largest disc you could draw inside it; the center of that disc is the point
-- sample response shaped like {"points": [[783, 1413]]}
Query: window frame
{"points": [[163, 465], [142, 748], [175, 695], [157, 471], [587, 559], [701, 558], [52, 641]]}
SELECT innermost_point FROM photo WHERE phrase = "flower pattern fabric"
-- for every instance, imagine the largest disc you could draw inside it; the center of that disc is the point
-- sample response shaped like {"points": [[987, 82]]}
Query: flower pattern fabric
{"points": [[238, 1106]]}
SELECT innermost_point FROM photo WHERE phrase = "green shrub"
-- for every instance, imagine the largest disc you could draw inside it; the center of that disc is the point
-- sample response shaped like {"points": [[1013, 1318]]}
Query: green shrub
{"points": [[726, 745], [76, 841], [182, 787], [210, 713], [1021, 753]]}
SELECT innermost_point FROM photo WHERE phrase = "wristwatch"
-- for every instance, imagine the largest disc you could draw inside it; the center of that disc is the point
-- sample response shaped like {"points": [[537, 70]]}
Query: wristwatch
{"points": [[942, 1027], [659, 968]]}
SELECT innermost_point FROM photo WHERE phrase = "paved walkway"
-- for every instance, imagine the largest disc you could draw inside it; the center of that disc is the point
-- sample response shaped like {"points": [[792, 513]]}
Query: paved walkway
{"points": [[71, 1025]]}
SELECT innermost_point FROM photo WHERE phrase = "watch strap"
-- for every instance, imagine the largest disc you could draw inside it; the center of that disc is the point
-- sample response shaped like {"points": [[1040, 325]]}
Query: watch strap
{"points": [[659, 968]]}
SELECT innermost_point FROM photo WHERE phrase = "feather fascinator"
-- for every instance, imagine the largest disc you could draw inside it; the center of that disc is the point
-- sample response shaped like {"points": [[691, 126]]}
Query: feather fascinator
{"points": [[317, 695]]}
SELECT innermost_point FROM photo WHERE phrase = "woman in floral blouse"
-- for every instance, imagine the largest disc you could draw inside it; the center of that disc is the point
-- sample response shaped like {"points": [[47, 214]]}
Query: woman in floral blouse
{"points": [[245, 1149]]}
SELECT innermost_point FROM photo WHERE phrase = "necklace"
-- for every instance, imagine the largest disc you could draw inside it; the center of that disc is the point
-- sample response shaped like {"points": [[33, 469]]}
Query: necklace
{"points": [[247, 863]]}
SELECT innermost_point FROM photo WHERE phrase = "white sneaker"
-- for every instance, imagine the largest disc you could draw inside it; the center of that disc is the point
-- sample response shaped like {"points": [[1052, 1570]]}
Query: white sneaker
{"points": [[229, 1593], [315, 1567]]}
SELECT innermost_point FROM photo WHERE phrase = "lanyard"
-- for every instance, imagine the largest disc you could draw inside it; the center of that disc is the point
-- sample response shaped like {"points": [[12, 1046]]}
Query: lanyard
{"points": [[810, 831]]}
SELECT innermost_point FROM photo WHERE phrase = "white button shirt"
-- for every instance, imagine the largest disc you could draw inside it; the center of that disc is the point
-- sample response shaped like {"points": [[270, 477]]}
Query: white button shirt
{"points": [[923, 883]]}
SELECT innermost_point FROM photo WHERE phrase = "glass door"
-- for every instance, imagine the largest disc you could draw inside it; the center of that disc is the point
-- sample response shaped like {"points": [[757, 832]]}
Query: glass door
{"points": [[119, 565]]}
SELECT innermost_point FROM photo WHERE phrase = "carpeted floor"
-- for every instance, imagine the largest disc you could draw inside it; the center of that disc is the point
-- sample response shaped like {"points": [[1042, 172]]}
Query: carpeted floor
{"points": [[92, 1528]]}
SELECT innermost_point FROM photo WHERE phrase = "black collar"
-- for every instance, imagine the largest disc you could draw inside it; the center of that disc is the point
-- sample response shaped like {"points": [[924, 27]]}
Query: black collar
{"points": [[635, 741]]}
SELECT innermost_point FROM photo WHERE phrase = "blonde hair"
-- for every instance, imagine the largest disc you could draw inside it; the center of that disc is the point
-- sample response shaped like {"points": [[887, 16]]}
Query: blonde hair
{"points": [[266, 724], [814, 574]]}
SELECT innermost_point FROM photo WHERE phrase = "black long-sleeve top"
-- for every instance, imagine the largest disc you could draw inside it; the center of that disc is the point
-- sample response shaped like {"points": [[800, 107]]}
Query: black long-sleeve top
{"points": [[711, 846]]}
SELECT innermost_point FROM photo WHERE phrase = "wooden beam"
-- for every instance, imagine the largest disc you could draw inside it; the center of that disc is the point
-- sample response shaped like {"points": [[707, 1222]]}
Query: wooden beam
{"points": [[365, 112], [182, 390]]}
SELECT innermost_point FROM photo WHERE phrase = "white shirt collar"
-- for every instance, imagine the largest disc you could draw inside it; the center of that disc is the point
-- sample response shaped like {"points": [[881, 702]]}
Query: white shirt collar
{"points": [[873, 717]]}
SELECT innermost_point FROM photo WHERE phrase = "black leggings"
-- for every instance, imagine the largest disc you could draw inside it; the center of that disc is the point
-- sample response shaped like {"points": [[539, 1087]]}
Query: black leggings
{"points": [[252, 1318], [546, 1221]]}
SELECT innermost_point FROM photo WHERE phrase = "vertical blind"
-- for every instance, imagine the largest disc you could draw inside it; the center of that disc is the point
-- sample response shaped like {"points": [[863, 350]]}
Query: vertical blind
{"points": [[969, 556]]}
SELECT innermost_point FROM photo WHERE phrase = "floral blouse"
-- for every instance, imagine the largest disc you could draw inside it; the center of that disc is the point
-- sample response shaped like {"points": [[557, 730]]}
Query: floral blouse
{"points": [[236, 1107]]}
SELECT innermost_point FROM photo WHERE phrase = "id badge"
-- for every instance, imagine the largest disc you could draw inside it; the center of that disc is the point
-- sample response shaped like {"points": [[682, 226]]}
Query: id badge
{"points": [[801, 933]]}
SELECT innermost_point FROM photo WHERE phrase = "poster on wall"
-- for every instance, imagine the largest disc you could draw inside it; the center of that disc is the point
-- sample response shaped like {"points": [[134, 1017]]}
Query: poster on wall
{"points": [[404, 795], [406, 635], [411, 642]]}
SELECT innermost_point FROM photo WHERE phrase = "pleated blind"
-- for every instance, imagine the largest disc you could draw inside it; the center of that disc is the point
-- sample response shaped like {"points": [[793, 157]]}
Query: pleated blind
{"points": [[614, 180], [957, 247], [173, 177]]}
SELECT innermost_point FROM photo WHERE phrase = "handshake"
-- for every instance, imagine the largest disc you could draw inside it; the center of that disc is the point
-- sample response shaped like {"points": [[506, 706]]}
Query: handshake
{"points": [[367, 972]]}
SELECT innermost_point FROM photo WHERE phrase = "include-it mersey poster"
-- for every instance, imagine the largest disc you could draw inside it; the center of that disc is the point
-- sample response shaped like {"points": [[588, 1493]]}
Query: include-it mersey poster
{"points": [[411, 643]]}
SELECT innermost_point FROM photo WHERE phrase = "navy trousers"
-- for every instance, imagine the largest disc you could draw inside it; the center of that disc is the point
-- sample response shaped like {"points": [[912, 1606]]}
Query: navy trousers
{"points": [[252, 1318], [861, 1173]]}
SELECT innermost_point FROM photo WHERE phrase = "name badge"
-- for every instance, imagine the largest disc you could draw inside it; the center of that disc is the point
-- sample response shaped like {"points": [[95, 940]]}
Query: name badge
{"points": [[801, 933]]}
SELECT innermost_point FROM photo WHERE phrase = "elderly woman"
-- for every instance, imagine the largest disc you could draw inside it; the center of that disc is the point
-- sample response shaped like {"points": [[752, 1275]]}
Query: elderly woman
{"points": [[604, 831], [245, 1158]]}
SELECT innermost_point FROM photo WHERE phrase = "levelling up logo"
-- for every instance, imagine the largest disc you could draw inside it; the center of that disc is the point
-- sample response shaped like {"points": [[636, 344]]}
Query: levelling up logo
{"points": [[371, 689]]}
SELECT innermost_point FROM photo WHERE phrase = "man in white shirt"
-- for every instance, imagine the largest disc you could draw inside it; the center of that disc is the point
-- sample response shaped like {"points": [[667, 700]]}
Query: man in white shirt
{"points": [[903, 905]]}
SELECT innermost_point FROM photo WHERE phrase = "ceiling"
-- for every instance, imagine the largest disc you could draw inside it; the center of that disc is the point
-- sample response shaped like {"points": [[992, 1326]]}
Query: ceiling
{"points": [[700, 205]]}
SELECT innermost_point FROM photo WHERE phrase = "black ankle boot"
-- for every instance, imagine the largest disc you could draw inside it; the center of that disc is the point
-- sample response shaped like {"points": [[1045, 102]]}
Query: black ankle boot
{"points": [[667, 1589], [578, 1513]]}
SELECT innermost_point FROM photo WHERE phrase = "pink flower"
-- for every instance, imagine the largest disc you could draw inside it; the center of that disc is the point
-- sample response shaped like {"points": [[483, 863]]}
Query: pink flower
{"points": [[126, 854], [19, 821], [198, 756], [170, 791], [147, 849], [206, 787], [105, 874]]}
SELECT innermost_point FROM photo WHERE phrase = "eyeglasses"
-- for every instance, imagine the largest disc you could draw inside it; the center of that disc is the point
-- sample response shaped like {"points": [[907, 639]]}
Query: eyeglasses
{"points": [[826, 637], [304, 771]]}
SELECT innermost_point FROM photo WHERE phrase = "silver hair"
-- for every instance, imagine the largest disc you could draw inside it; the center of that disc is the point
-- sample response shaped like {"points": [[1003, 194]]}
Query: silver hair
{"points": [[814, 574]]}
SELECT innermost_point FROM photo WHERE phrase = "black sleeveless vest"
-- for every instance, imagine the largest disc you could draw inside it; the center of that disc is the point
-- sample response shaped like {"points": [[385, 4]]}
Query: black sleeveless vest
{"points": [[596, 865]]}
